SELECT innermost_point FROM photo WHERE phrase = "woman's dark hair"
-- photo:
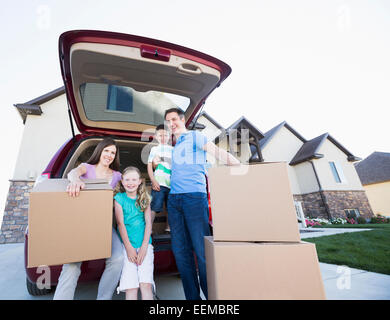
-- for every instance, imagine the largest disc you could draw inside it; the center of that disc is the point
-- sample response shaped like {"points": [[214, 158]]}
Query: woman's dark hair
{"points": [[95, 157]]}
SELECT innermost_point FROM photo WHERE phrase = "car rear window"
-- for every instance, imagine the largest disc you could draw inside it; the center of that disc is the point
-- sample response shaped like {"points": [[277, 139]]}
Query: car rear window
{"points": [[109, 102]]}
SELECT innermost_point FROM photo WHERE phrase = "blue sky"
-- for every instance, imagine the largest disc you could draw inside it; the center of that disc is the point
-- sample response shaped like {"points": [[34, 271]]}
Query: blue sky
{"points": [[323, 66]]}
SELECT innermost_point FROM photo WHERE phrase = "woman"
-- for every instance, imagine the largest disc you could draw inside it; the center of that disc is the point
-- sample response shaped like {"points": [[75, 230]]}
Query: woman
{"points": [[103, 164]]}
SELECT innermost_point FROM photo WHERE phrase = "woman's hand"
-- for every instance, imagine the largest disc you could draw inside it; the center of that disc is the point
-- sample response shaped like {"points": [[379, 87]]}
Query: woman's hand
{"points": [[142, 253], [74, 188], [132, 255]]}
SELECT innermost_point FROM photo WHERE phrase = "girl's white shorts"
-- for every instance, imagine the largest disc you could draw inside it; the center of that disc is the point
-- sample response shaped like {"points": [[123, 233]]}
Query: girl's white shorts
{"points": [[133, 275]]}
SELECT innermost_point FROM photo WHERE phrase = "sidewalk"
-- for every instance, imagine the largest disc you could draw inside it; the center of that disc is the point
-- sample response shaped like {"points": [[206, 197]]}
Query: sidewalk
{"points": [[320, 232], [341, 283], [344, 283]]}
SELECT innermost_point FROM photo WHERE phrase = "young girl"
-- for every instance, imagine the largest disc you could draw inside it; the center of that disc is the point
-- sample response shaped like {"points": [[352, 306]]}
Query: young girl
{"points": [[133, 216]]}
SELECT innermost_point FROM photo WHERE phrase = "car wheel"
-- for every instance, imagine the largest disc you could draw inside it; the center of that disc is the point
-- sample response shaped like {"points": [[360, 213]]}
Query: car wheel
{"points": [[33, 289]]}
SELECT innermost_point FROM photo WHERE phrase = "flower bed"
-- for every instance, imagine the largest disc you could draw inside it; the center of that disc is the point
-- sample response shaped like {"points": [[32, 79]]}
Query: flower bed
{"points": [[380, 219], [316, 222]]}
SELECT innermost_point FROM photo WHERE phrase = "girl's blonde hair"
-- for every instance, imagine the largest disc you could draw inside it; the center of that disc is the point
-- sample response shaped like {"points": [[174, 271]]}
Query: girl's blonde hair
{"points": [[143, 197]]}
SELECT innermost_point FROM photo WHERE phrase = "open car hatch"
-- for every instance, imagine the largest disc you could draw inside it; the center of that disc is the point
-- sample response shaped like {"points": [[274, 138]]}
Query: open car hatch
{"points": [[122, 84]]}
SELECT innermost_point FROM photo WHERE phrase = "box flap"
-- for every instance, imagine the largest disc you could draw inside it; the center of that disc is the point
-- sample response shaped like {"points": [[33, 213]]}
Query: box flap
{"points": [[59, 185], [219, 243]]}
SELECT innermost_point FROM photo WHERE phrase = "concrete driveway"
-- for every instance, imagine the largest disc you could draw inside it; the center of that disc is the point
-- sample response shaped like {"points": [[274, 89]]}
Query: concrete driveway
{"points": [[341, 283], [13, 280]]}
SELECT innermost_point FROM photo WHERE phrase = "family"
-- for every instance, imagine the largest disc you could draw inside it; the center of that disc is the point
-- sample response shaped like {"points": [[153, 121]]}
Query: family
{"points": [[178, 176]]}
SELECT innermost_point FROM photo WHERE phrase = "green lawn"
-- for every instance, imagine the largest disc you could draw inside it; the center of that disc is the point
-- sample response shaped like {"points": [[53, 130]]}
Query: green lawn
{"points": [[367, 250]]}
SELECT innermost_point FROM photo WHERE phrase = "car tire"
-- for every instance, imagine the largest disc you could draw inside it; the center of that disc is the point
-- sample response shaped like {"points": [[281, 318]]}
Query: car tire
{"points": [[33, 289]]}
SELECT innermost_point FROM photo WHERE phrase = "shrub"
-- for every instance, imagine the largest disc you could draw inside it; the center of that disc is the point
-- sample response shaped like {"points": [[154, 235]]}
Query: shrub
{"points": [[351, 221], [339, 221], [361, 220], [379, 219], [316, 222], [312, 223]]}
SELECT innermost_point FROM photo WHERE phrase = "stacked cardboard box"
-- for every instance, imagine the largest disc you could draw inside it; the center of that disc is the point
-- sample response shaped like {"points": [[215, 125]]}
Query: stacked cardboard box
{"points": [[256, 251]]}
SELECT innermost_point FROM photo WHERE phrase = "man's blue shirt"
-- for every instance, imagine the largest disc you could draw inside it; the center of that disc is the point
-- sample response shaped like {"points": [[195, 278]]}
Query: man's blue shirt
{"points": [[189, 163]]}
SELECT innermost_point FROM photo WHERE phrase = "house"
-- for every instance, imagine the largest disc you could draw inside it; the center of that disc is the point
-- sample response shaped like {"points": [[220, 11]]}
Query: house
{"points": [[240, 139], [329, 184], [44, 132], [323, 179], [374, 173]]}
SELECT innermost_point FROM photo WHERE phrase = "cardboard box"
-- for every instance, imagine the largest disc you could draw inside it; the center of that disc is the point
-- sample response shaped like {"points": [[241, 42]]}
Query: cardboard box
{"points": [[271, 271], [62, 229], [252, 203]]}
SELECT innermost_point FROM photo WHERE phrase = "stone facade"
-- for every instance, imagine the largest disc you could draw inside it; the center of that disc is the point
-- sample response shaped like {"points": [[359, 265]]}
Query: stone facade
{"points": [[337, 201], [312, 205], [15, 217]]}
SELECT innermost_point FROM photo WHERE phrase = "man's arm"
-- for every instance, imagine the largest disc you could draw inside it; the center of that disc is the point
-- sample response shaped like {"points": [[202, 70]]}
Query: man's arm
{"points": [[221, 154]]}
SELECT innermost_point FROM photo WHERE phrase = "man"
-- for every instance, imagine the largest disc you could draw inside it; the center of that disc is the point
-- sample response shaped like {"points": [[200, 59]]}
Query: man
{"points": [[187, 200]]}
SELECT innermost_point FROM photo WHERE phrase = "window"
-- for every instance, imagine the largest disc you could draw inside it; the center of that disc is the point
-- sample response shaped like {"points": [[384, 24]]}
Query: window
{"points": [[111, 102], [352, 213], [337, 171], [120, 98]]}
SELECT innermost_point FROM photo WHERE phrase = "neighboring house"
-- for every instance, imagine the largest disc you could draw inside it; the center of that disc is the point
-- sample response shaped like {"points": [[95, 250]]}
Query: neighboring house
{"points": [[374, 173]]}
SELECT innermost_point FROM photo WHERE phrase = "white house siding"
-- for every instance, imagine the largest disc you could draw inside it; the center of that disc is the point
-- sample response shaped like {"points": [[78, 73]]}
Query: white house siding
{"points": [[42, 137], [211, 131], [282, 147], [324, 171], [306, 178]]}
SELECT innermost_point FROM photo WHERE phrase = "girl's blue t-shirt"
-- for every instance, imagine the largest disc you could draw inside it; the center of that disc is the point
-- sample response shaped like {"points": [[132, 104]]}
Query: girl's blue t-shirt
{"points": [[133, 218]]}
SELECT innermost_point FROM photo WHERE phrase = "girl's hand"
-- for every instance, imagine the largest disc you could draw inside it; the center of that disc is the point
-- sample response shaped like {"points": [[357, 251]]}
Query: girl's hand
{"points": [[132, 255], [141, 254], [74, 188]]}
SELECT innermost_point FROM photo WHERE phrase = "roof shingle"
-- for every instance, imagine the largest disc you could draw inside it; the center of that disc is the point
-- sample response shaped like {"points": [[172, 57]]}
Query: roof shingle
{"points": [[375, 168]]}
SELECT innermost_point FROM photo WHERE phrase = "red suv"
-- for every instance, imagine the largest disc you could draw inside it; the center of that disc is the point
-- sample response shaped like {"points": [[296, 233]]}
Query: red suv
{"points": [[120, 85]]}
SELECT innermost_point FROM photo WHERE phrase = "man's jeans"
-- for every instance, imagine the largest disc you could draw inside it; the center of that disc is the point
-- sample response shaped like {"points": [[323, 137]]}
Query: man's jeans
{"points": [[189, 222], [108, 282]]}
